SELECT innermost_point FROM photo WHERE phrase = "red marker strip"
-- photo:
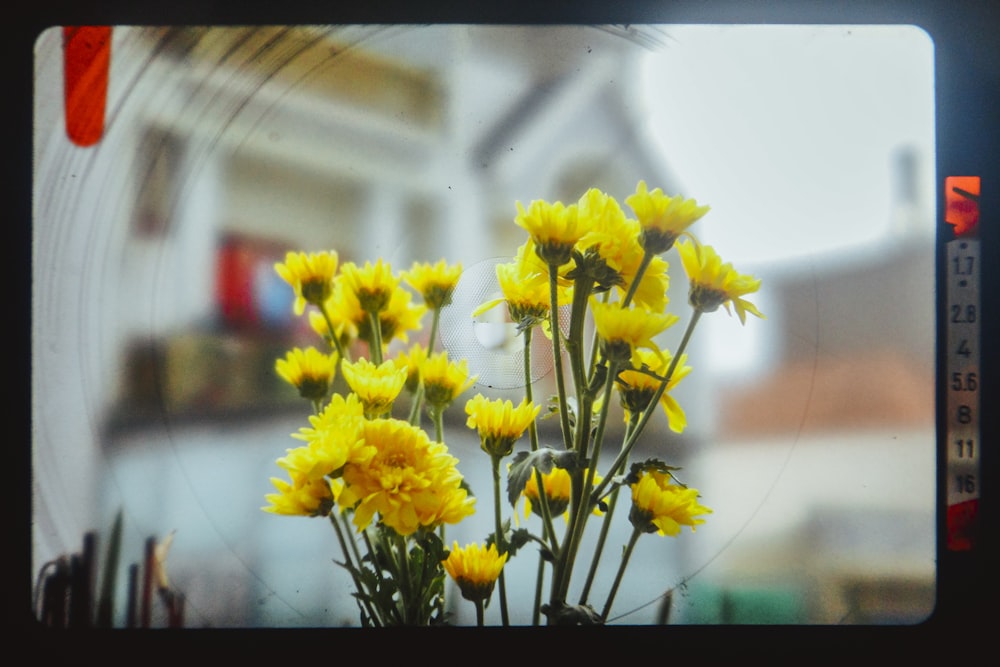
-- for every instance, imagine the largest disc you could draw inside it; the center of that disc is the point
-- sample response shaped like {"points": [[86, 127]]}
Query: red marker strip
{"points": [[962, 525], [961, 195], [86, 59]]}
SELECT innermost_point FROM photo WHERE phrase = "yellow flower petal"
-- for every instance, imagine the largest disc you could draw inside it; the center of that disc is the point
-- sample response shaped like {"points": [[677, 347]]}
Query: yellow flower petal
{"points": [[715, 284], [376, 386], [435, 283], [310, 275], [498, 422], [475, 569], [659, 505], [662, 218]]}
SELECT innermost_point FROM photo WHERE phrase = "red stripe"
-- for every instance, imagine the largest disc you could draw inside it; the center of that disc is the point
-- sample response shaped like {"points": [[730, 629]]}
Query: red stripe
{"points": [[963, 525], [86, 59]]}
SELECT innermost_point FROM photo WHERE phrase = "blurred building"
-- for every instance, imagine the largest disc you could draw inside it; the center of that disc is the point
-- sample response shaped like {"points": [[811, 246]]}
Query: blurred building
{"points": [[836, 438]]}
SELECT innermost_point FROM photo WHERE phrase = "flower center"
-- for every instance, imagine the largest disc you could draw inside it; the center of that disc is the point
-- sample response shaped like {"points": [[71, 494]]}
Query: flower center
{"points": [[706, 299]]}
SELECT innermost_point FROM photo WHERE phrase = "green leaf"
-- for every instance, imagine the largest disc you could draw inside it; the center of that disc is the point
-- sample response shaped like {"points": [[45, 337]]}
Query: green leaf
{"points": [[518, 539], [639, 467], [492, 537], [524, 464]]}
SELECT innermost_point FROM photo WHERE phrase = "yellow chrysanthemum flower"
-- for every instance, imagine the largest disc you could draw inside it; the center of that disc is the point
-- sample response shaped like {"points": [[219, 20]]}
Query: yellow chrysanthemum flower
{"points": [[344, 311], [444, 380], [452, 504], [601, 254], [376, 386], [326, 453], [333, 440], [715, 284], [351, 321], [309, 370], [554, 228], [398, 318], [372, 284], [558, 488], [306, 498], [659, 505], [344, 330], [600, 210], [411, 359], [557, 484], [410, 482], [636, 389], [617, 241], [499, 423], [622, 331], [310, 275], [662, 218], [531, 264], [524, 287], [651, 292], [338, 411], [435, 283], [475, 569], [526, 292]]}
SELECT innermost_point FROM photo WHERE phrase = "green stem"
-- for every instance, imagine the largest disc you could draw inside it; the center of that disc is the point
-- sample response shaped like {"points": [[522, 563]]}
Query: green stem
{"points": [[595, 345], [418, 395], [479, 613], [376, 618], [406, 588], [543, 500], [557, 354], [643, 265], [392, 610], [352, 543], [606, 525], [621, 570], [601, 425], [375, 344], [333, 333], [574, 346], [441, 604], [536, 612], [435, 321], [601, 540], [578, 501], [437, 416], [418, 400], [633, 436], [581, 512], [666, 378], [528, 393], [500, 541]]}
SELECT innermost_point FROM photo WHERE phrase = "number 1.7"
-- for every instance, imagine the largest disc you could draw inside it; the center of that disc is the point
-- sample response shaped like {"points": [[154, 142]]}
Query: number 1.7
{"points": [[963, 265]]}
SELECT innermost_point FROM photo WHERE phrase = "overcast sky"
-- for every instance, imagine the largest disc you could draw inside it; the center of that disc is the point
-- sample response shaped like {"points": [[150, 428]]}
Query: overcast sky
{"points": [[787, 132]]}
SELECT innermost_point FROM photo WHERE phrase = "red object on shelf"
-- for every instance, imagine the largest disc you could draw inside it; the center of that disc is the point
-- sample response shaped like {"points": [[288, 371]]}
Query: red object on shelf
{"points": [[86, 62], [235, 283], [249, 293]]}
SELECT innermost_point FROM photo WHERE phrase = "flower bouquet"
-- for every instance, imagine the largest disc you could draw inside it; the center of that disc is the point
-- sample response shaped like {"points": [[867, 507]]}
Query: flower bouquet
{"points": [[390, 488]]}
